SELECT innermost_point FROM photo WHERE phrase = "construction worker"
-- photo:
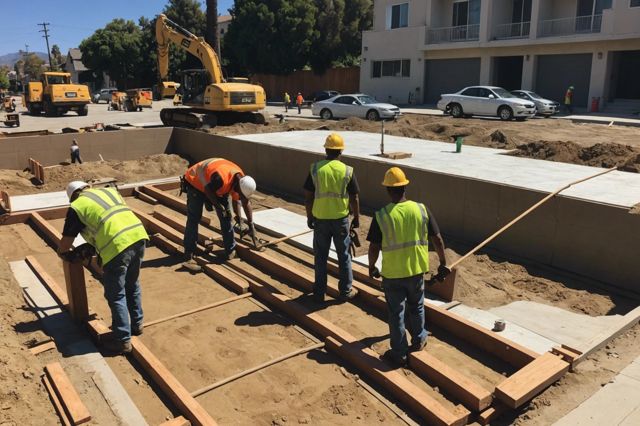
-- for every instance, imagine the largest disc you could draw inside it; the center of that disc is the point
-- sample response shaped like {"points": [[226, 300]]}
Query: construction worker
{"points": [[106, 223], [299, 102], [331, 191], [400, 230], [75, 152], [287, 101], [568, 99], [209, 183]]}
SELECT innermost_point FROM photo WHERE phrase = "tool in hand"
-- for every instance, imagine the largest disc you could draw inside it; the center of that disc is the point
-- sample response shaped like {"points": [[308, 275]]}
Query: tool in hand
{"points": [[79, 254], [279, 240], [447, 273], [354, 238]]}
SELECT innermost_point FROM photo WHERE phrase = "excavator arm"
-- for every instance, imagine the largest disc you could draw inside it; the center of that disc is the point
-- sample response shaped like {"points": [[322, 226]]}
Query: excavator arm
{"points": [[168, 31]]}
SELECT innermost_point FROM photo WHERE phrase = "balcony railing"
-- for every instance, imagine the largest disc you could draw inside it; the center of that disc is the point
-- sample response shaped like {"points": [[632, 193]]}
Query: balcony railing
{"points": [[513, 30], [569, 26], [453, 34]]}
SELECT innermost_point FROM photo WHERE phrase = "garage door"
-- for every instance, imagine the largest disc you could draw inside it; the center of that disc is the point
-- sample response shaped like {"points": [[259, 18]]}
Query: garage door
{"points": [[555, 73], [449, 76]]}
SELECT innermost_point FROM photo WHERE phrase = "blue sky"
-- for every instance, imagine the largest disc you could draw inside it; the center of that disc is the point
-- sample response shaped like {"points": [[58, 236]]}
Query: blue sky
{"points": [[71, 20]]}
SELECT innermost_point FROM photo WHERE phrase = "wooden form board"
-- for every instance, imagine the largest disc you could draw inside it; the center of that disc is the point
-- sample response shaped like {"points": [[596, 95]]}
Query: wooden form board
{"points": [[76, 290], [530, 380], [74, 407], [51, 234], [5, 201], [43, 347], [56, 291], [36, 169], [56, 401], [176, 421], [24, 216]]}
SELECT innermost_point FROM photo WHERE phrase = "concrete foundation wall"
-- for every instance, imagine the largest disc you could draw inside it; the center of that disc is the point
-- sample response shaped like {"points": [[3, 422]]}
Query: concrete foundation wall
{"points": [[590, 239], [54, 149]]}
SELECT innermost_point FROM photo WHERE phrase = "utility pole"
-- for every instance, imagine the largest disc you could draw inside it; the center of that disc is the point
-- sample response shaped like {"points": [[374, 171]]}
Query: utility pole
{"points": [[45, 30]]}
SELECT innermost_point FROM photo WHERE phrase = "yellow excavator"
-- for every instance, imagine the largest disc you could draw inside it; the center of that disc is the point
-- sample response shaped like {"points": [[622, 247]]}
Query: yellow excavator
{"points": [[211, 100]]}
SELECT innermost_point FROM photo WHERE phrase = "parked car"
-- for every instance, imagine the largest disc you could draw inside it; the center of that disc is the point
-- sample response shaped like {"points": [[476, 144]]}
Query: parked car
{"points": [[355, 105], [103, 95], [488, 101], [544, 106], [322, 95]]}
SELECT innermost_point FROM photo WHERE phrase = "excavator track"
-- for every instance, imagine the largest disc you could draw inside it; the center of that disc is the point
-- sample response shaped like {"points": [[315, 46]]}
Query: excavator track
{"points": [[202, 119]]}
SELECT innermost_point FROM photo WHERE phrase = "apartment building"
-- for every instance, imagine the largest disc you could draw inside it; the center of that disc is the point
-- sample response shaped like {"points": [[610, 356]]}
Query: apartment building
{"points": [[419, 49]]}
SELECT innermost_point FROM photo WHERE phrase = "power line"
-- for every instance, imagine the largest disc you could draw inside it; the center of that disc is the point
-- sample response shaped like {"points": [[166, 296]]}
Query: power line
{"points": [[45, 30]]}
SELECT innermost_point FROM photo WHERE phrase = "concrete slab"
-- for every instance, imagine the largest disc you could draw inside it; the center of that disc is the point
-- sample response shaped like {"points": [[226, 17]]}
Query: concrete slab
{"points": [[514, 332], [485, 164], [80, 355], [617, 403], [559, 325]]}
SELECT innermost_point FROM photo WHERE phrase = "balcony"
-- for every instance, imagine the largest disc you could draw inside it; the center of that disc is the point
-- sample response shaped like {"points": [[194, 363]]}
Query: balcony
{"points": [[589, 24], [453, 34], [512, 31]]}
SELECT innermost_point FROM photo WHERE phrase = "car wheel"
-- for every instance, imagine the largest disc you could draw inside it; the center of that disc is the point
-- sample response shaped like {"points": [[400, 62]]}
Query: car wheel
{"points": [[505, 113], [456, 110], [372, 115], [326, 114]]}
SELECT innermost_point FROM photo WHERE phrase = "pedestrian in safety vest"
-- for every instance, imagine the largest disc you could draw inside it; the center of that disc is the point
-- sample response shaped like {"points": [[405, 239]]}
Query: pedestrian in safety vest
{"points": [[299, 102], [331, 191], [210, 183], [568, 99], [105, 222], [287, 101], [400, 230]]}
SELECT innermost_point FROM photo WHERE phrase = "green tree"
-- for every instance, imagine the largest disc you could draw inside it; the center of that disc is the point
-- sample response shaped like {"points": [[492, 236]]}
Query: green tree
{"points": [[327, 47], [190, 16], [32, 66], [56, 56], [114, 49], [4, 77], [358, 17], [270, 36]]}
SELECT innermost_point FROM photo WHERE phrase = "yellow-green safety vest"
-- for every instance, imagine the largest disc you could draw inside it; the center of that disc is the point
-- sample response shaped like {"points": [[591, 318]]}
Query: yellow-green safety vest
{"points": [[331, 200], [109, 225], [405, 248]]}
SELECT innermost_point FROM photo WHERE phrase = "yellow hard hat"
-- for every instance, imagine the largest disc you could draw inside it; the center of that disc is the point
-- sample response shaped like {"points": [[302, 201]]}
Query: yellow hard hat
{"points": [[334, 141], [395, 177]]}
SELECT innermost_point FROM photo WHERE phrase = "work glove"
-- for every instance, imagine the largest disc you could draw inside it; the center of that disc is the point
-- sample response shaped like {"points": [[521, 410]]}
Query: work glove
{"points": [[443, 272], [252, 233], [239, 227], [355, 223], [374, 272], [311, 222]]}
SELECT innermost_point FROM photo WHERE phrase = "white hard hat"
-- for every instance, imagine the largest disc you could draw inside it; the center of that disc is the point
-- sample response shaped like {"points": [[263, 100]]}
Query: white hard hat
{"points": [[75, 186], [247, 186]]}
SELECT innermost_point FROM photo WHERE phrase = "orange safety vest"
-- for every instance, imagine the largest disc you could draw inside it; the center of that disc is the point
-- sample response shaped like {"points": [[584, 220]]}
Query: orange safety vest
{"points": [[199, 175], [299, 100]]}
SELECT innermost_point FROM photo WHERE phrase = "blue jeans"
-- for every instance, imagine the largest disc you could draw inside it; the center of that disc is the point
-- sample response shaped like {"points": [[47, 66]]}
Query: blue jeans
{"points": [[122, 290], [398, 292], [325, 230], [195, 202]]}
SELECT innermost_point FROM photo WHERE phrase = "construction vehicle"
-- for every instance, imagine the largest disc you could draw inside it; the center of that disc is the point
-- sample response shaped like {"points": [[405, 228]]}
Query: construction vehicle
{"points": [[117, 102], [12, 119], [165, 89], [8, 104], [56, 95], [138, 99], [211, 99]]}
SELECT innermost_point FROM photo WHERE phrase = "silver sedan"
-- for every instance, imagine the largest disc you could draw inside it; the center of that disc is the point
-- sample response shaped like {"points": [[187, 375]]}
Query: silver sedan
{"points": [[486, 100], [544, 106], [356, 105]]}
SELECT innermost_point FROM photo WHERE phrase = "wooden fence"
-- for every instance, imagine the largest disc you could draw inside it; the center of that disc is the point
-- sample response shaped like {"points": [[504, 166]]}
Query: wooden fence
{"points": [[344, 80]]}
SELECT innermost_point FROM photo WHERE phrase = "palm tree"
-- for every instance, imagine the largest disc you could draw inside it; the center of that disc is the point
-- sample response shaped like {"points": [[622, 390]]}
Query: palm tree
{"points": [[211, 35]]}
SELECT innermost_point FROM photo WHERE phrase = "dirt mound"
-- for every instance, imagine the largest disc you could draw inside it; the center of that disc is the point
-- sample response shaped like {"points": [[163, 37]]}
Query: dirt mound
{"points": [[57, 177]]}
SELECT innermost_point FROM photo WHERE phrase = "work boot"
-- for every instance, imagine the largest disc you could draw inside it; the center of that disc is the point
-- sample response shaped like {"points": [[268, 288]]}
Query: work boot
{"points": [[394, 359], [117, 347], [353, 292], [418, 346], [231, 255], [318, 299], [137, 330], [191, 264]]}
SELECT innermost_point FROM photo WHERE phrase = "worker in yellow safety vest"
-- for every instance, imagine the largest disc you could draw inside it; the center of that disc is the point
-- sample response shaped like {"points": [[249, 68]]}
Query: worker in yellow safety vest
{"points": [[331, 191], [401, 230], [105, 222]]}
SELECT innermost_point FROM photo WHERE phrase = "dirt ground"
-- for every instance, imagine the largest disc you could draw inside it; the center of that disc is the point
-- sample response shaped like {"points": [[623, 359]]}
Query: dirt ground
{"points": [[554, 140]]}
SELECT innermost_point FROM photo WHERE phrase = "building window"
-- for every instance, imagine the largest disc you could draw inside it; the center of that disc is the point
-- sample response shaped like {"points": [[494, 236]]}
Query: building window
{"points": [[466, 12], [634, 3], [398, 16], [397, 68]]}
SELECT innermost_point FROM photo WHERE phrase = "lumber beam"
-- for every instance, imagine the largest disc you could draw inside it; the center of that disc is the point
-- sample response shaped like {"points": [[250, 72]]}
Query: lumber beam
{"points": [[144, 197], [76, 290], [492, 413], [368, 361], [530, 380], [165, 198], [166, 245], [44, 347], [73, 406], [56, 401], [51, 234], [24, 216], [176, 421], [473, 396], [178, 225], [225, 277]]}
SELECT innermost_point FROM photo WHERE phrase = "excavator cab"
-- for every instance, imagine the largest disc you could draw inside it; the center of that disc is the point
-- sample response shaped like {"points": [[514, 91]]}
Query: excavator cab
{"points": [[194, 84]]}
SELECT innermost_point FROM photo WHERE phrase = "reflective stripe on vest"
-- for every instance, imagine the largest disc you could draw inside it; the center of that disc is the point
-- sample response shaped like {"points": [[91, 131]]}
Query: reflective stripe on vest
{"points": [[405, 251], [199, 175], [330, 178], [110, 226]]}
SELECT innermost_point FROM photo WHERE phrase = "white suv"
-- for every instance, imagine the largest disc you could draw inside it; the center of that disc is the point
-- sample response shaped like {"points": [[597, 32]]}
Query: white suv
{"points": [[486, 100]]}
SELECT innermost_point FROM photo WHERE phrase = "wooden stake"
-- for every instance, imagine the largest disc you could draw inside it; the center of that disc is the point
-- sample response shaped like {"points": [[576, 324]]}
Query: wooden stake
{"points": [[76, 290]]}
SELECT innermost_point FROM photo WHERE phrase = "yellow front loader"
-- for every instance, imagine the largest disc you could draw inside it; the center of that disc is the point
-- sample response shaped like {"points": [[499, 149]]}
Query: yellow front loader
{"points": [[56, 95]]}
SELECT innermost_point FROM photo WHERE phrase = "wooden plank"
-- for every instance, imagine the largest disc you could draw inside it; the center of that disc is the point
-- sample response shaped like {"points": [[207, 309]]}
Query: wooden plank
{"points": [[166, 245], [73, 405], [56, 401], [5, 200], [196, 310], [146, 198], [531, 380], [422, 403], [51, 234], [176, 421], [76, 290], [165, 198], [24, 216], [461, 387], [492, 413], [566, 354], [178, 225], [47, 346], [225, 277], [178, 394], [56, 291]]}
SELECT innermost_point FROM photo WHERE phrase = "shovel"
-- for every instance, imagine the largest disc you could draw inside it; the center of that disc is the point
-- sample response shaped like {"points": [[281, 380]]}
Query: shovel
{"points": [[445, 280]]}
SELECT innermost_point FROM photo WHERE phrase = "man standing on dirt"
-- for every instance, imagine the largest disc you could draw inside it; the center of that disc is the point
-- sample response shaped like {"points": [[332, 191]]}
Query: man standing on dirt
{"points": [[210, 183], [331, 191], [568, 99], [287, 101], [401, 230], [299, 102], [75, 152], [117, 235]]}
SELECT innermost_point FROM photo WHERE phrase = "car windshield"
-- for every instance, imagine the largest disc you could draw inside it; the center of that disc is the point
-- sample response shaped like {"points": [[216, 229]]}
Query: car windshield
{"points": [[535, 95], [365, 100], [503, 93]]}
